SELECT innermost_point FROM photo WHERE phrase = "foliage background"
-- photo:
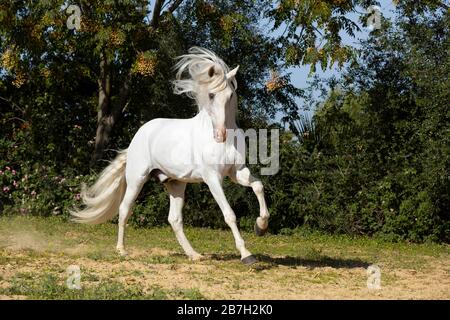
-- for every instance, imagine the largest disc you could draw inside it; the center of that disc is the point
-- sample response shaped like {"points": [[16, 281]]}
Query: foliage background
{"points": [[373, 159]]}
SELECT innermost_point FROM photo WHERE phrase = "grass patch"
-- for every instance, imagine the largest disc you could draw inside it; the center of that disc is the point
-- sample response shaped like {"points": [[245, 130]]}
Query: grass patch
{"points": [[50, 287], [159, 259]]}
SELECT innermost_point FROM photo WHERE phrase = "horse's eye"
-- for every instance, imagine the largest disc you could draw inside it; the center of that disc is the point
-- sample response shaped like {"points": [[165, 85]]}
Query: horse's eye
{"points": [[211, 96]]}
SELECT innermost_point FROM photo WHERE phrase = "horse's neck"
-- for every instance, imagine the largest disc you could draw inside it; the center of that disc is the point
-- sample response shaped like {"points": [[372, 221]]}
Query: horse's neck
{"points": [[204, 119]]}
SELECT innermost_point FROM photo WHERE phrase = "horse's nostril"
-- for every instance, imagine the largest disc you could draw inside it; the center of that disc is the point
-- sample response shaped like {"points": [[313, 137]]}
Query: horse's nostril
{"points": [[220, 135]]}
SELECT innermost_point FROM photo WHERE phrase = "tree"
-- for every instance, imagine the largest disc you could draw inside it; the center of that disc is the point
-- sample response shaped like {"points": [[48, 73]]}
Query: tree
{"points": [[311, 30], [114, 46], [122, 44], [384, 133]]}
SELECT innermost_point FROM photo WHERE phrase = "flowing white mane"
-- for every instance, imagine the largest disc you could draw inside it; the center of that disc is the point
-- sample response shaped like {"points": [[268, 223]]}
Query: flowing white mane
{"points": [[198, 63]]}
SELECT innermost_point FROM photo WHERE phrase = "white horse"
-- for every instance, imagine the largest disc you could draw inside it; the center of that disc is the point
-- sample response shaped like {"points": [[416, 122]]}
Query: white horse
{"points": [[181, 151]]}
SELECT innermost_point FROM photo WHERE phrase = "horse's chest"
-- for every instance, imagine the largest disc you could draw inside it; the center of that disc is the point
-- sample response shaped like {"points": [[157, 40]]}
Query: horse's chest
{"points": [[220, 154]]}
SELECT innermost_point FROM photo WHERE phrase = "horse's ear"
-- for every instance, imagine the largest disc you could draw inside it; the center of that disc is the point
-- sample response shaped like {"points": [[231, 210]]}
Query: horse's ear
{"points": [[211, 71], [232, 73]]}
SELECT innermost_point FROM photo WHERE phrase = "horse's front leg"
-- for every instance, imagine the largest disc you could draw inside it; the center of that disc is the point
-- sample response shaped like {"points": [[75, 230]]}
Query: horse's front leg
{"points": [[244, 178], [214, 183]]}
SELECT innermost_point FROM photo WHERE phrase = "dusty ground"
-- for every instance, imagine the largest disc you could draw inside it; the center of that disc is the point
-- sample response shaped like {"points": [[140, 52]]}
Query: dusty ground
{"points": [[291, 267]]}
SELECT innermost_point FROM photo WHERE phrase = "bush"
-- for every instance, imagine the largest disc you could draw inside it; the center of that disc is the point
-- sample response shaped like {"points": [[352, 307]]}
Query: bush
{"points": [[38, 191]]}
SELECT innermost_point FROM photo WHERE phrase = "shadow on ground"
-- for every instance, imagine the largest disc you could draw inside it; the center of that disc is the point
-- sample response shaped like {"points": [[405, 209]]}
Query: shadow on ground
{"points": [[294, 262]]}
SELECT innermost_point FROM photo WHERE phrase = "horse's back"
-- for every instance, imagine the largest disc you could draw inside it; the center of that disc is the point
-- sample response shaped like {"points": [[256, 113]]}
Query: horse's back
{"points": [[157, 142]]}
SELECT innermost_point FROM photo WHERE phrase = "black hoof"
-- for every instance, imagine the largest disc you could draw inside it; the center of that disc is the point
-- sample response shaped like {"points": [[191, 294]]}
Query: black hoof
{"points": [[259, 232], [248, 261]]}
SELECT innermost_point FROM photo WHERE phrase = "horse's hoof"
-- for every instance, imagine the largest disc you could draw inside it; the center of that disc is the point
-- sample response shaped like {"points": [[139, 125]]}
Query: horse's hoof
{"points": [[122, 252], [259, 232], [248, 261]]}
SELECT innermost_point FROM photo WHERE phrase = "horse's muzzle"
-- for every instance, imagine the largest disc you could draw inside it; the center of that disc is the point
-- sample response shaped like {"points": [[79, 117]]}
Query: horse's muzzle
{"points": [[220, 135]]}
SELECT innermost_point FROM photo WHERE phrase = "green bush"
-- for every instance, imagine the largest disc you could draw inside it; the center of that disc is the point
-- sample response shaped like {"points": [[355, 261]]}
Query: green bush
{"points": [[38, 191]]}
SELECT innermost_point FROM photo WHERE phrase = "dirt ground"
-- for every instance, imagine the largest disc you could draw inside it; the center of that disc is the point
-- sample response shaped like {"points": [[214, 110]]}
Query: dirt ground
{"points": [[32, 254]]}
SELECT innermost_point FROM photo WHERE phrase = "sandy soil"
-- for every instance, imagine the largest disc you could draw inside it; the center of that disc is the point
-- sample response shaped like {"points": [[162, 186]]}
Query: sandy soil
{"points": [[222, 276]]}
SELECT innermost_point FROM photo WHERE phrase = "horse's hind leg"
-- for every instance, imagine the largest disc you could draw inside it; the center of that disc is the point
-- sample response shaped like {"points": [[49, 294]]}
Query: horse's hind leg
{"points": [[176, 191], [134, 186]]}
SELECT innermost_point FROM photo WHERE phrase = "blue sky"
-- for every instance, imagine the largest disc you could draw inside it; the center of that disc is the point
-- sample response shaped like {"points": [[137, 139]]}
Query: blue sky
{"points": [[299, 75]]}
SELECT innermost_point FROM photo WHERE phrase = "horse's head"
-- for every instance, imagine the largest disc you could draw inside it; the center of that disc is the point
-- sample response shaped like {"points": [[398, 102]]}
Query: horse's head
{"points": [[221, 105], [212, 85]]}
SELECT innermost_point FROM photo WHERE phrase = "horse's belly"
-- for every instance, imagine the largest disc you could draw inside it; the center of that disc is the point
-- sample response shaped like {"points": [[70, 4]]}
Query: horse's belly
{"points": [[177, 161]]}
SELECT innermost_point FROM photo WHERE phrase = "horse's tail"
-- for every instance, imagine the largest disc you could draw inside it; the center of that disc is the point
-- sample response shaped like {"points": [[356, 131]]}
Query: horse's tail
{"points": [[103, 199]]}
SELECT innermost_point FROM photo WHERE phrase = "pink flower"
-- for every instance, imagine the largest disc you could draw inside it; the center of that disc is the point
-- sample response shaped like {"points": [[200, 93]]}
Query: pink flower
{"points": [[13, 172], [7, 168], [1, 172], [5, 189], [33, 193], [15, 184], [77, 196]]}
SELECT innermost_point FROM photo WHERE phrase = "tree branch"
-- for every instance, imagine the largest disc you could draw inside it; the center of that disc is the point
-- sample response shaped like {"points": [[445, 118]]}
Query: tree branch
{"points": [[175, 5], [123, 98], [443, 6], [12, 103], [156, 13]]}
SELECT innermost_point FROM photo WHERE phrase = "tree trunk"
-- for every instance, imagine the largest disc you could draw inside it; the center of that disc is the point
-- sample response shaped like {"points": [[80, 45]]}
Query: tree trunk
{"points": [[105, 120], [108, 113], [104, 129]]}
